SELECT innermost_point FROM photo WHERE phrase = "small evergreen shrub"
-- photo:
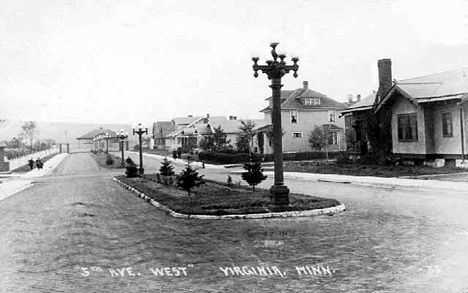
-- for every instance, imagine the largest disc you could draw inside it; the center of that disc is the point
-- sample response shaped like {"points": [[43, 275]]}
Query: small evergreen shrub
{"points": [[189, 178], [254, 173], [109, 160], [167, 171]]}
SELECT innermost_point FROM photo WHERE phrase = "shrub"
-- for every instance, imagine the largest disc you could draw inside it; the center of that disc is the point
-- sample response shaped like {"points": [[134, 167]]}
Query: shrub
{"points": [[254, 174], [189, 178], [109, 160], [167, 171], [131, 171]]}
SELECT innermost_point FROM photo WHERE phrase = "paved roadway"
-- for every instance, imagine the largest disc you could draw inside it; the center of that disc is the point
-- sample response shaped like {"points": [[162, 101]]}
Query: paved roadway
{"points": [[75, 229]]}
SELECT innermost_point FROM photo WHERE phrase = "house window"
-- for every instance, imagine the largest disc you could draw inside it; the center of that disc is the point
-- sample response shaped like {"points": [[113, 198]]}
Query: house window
{"points": [[447, 129], [294, 114], [331, 116], [308, 101], [297, 134], [333, 138], [408, 127], [316, 101]]}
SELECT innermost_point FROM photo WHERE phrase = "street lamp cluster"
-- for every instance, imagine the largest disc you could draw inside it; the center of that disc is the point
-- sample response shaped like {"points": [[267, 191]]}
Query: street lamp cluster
{"points": [[275, 69]]}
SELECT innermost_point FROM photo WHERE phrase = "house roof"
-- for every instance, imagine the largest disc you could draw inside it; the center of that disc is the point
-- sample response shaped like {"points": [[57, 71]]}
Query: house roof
{"points": [[162, 128], [293, 101], [231, 126], [365, 104], [435, 87], [92, 134], [185, 120]]}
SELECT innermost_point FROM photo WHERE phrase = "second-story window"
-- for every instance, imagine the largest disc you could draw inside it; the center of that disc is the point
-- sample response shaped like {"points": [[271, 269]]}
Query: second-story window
{"points": [[316, 101], [294, 114], [331, 116]]}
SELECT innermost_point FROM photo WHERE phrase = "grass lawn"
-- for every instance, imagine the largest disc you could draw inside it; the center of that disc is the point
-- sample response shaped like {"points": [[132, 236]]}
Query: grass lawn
{"points": [[26, 168], [101, 159], [214, 198], [367, 170]]}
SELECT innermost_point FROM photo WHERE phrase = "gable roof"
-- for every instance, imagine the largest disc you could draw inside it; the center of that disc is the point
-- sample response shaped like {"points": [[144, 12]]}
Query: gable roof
{"points": [[293, 101], [435, 87], [185, 120], [92, 134], [162, 128]]}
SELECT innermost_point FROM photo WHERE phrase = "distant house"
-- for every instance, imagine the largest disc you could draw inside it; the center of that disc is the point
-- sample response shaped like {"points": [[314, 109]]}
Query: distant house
{"points": [[89, 138], [301, 111], [187, 132], [355, 123], [161, 130]]}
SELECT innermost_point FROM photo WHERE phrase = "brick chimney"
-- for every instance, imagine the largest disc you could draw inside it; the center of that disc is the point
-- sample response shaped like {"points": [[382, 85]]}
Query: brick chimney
{"points": [[358, 97], [350, 98], [207, 115], [305, 84], [385, 77]]}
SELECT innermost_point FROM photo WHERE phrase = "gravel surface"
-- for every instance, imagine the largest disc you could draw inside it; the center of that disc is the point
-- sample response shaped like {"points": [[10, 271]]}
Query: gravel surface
{"points": [[78, 231]]}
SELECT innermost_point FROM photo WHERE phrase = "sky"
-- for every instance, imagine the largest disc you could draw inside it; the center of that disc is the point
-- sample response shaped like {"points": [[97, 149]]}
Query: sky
{"points": [[129, 61]]}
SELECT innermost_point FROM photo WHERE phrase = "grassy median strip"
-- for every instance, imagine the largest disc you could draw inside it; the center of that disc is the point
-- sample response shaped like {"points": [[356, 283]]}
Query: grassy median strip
{"points": [[214, 198], [367, 169]]}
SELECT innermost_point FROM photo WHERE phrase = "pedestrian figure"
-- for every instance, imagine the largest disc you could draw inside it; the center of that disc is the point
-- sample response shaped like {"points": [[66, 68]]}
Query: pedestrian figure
{"points": [[31, 163], [39, 163]]}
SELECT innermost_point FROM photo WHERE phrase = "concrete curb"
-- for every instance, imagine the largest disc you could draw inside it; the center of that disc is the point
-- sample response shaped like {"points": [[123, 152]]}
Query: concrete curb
{"points": [[376, 181], [308, 213], [180, 161]]}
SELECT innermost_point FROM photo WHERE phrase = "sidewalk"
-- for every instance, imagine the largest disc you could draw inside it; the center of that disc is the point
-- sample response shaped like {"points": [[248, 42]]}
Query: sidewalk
{"points": [[376, 181], [18, 182]]}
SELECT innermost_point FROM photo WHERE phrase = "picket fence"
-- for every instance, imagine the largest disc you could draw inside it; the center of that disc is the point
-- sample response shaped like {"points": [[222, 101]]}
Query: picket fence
{"points": [[21, 161]]}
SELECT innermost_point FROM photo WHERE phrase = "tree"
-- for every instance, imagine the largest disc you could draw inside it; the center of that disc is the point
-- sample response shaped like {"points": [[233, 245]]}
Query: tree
{"points": [[206, 143], [29, 130], [189, 178], [216, 142], [167, 171], [220, 139], [319, 138], [254, 173], [245, 136]]}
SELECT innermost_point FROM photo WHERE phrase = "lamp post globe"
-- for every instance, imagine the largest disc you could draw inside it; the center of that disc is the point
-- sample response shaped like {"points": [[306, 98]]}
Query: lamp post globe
{"points": [[140, 129], [275, 69]]}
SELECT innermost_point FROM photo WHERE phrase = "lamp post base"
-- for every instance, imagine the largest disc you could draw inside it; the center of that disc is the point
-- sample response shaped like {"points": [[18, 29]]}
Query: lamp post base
{"points": [[279, 195], [142, 171]]}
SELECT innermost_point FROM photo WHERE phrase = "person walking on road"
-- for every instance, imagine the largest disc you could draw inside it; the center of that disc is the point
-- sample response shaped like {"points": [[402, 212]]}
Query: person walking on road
{"points": [[31, 163], [39, 163]]}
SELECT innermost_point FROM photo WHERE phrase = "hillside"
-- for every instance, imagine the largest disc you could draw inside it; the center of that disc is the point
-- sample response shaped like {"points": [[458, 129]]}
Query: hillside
{"points": [[60, 132]]}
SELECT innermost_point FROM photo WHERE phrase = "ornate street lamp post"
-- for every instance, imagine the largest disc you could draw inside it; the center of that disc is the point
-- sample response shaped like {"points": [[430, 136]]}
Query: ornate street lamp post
{"points": [[107, 136], [122, 136], [140, 130], [275, 70]]}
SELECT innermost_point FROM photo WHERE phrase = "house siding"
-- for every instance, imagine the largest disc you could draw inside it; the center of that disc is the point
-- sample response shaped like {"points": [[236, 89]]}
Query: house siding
{"points": [[306, 122], [403, 106], [448, 145]]}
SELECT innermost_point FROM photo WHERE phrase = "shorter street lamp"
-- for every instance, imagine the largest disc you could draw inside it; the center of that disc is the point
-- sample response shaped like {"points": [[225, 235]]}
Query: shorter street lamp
{"points": [[140, 130], [107, 136], [122, 136]]}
